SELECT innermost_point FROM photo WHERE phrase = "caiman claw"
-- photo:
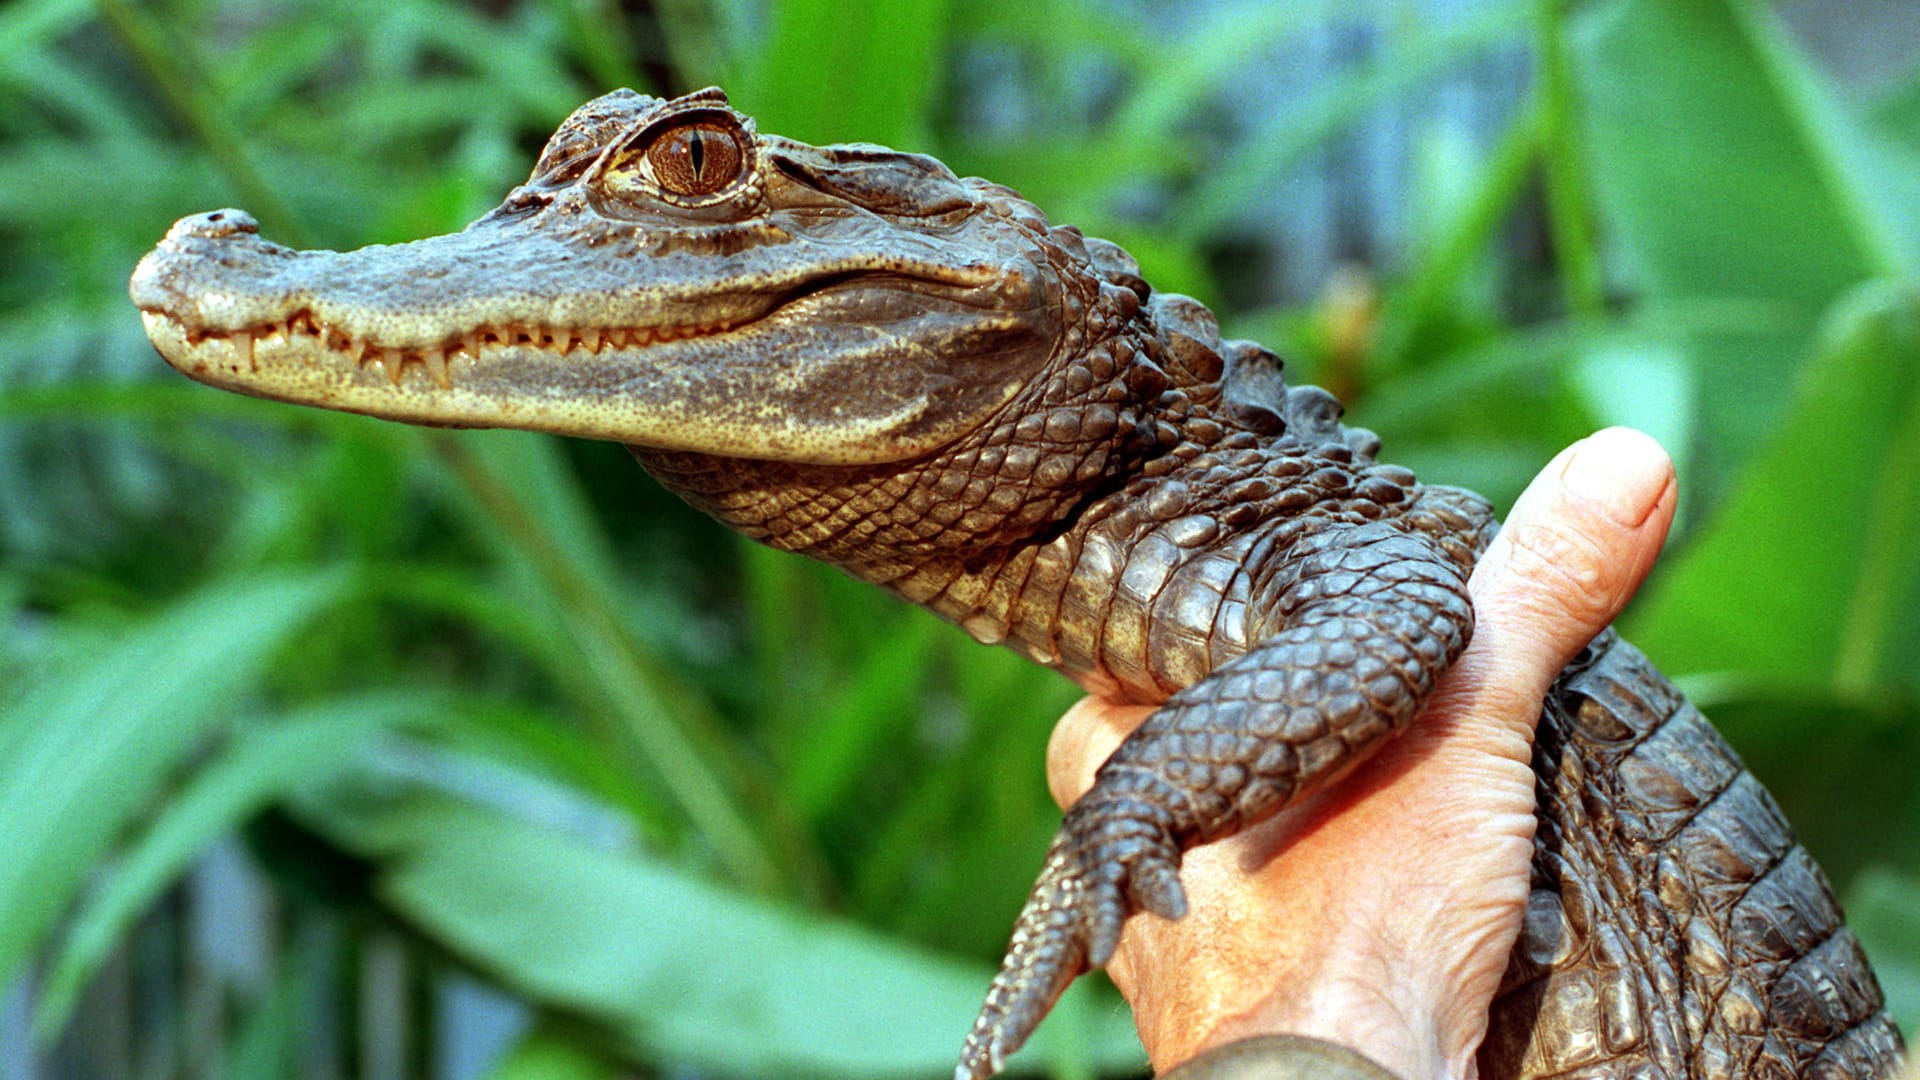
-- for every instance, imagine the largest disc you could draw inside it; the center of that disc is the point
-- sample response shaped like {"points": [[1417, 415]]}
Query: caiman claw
{"points": [[1104, 865]]}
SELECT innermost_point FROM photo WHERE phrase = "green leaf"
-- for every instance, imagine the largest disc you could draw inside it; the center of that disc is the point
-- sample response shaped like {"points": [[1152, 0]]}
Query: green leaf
{"points": [[87, 748], [816, 81], [1563, 166], [1180, 76], [267, 761], [1644, 385], [1514, 398], [1810, 573], [1725, 168], [1711, 166], [677, 969], [1416, 313]]}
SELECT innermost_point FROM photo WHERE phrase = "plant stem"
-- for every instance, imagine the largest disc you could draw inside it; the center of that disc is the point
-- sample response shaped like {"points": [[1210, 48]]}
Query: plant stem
{"points": [[1567, 200]]}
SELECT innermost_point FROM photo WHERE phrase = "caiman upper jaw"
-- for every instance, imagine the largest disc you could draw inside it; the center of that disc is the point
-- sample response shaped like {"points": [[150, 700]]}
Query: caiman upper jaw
{"points": [[214, 274], [246, 319], [766, 346]]}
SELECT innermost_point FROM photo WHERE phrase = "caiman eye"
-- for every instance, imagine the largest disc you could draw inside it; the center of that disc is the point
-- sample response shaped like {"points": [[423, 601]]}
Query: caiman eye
{"points": [[697, 158]]}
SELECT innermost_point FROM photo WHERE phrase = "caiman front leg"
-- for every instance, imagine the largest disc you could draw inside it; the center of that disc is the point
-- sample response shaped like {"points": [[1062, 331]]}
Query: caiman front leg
{"points": [[1362, 620]]}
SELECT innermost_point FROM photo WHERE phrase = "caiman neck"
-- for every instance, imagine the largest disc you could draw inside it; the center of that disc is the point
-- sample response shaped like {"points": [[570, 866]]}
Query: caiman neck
{"points": [[1107, 401], [1138, 383]]}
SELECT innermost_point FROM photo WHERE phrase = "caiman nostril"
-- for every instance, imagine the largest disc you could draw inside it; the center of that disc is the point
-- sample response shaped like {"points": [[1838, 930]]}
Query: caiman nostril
{"points": [[214, 224]]}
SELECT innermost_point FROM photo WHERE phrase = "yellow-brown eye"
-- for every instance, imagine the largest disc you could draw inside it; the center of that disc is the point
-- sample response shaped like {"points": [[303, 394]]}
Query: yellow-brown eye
{"points": [[696, 159]]}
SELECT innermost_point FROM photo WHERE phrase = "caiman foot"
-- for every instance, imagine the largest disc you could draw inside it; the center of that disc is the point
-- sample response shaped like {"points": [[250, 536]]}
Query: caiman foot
{"points": [[1108, 861]]}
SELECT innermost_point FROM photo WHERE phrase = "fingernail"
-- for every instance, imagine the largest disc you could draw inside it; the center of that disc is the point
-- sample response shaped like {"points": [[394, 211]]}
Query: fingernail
{"points": [[1620, 470]]}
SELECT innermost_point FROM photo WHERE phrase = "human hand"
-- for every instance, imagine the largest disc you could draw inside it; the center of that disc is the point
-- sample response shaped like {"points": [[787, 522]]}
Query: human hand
{"points": [[1379, 914]]}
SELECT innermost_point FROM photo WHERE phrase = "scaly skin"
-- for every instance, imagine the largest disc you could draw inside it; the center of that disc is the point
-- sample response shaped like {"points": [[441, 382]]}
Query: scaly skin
{"points": [[850, 353]]}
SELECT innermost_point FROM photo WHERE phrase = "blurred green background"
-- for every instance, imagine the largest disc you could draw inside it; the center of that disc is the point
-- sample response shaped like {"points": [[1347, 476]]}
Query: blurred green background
{"points": [[330, 747]]}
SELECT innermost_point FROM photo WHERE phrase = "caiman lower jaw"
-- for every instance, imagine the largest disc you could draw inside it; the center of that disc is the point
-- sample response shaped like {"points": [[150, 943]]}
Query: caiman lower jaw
{"points": [[578, 382], [440, 363]]}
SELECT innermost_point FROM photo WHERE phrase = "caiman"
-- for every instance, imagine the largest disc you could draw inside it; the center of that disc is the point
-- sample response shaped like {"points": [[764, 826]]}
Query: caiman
{"points": [[849, 352]]}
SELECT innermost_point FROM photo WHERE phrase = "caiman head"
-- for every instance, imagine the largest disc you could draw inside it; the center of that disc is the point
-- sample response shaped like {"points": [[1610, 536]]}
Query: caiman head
{"points": [[668, 277]]}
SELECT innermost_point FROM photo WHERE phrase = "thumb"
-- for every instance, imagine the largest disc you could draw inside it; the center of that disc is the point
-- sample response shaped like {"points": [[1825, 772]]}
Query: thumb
{"points": [[1579, 541]]}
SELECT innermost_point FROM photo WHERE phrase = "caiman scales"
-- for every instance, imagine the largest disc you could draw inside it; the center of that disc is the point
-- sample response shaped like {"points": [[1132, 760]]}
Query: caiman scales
{"points": [[851, 353]]}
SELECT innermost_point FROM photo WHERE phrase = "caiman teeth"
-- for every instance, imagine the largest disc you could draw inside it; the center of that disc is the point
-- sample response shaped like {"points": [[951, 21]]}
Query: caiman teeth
{"points": [[440, 361], [436, 361]]}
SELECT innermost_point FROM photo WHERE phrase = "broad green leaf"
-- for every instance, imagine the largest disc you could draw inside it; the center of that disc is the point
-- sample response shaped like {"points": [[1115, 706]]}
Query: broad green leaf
{"points": [[1810, 573], [1726, 169], [677, 969], [1865, 171], [86, 749], [814, 80], [1712, 170], [266, 761]]}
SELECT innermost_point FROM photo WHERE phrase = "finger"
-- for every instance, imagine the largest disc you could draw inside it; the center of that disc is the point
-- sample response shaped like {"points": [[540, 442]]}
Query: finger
{"points": [[1580, 540]]}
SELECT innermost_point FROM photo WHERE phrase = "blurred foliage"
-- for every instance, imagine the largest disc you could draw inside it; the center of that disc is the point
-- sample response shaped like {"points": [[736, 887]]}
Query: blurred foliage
{"points": [[707, 806]]}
